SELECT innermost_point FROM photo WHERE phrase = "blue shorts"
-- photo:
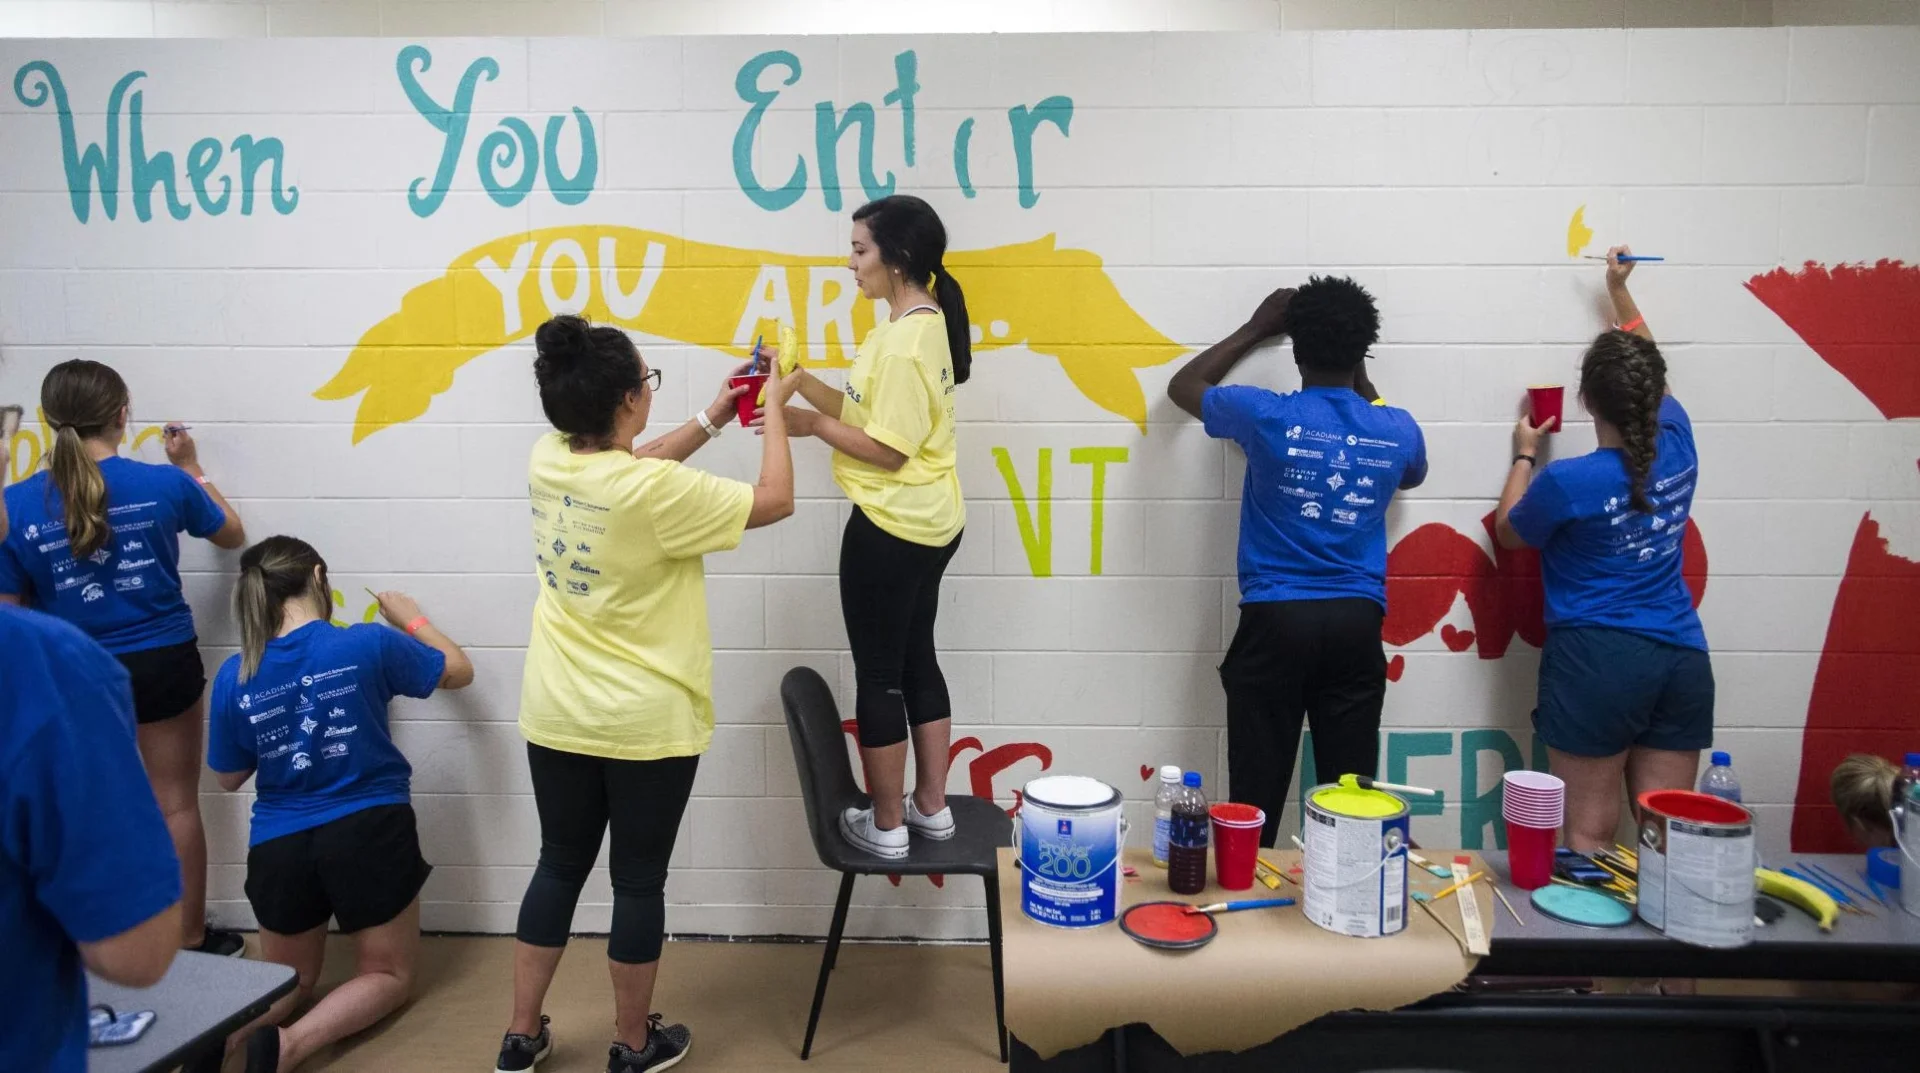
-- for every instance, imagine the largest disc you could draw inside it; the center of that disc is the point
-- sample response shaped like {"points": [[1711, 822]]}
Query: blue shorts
{"points": [[1603, 691]]}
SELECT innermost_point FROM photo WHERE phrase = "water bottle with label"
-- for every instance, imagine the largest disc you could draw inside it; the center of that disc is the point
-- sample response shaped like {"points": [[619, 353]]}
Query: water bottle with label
{"points": [[1720, 780], [1163, 812], [1187, 837], [1908, 778]]}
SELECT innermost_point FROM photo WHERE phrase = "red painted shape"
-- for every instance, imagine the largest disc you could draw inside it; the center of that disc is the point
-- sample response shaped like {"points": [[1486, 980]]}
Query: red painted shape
{"points": [[1396, 667], [1866, 691], [1146, 772], [1864, 321], [1436, 564]]}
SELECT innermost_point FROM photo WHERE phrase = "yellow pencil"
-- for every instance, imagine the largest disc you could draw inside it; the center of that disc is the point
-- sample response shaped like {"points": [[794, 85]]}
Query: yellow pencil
{"points": [[1472, 878], [1271, 867]]}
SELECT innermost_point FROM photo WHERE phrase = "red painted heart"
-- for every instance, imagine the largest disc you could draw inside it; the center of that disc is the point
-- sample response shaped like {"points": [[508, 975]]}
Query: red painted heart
{"points": [[1456, 640], [1146, 772]]}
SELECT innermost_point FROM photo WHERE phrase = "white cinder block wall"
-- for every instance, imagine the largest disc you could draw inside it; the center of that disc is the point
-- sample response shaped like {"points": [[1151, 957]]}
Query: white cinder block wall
{"points": [[1441, 168]]}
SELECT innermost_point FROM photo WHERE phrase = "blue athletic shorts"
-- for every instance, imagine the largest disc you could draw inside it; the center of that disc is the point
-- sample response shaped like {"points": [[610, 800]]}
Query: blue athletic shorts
{"points": [[1603, 691]]}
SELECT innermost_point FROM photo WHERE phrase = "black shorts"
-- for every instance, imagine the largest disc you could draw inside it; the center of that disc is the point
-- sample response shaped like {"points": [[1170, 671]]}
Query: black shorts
{"points": [[1604, 691], [362, 869], [166, 681]]}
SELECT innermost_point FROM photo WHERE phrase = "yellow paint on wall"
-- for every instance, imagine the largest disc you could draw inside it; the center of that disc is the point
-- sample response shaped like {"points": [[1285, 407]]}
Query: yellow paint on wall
{"points": [[1057, 302], [1578, 233]]}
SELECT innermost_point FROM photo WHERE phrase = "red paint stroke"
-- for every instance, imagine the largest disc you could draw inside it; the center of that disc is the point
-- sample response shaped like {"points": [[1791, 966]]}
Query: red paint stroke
{"points": [[1436, 564], [1866, 691], [1864, 321], [1396, 667]]}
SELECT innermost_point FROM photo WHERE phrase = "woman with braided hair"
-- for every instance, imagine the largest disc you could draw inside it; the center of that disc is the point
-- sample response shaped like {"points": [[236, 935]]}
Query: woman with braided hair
{"points": [[1626, 687]]}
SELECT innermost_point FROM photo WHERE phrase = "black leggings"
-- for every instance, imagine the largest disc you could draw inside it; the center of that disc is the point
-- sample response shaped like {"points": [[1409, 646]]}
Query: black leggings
{"points": [[1296, 660], [578, 795], [890, 594]]}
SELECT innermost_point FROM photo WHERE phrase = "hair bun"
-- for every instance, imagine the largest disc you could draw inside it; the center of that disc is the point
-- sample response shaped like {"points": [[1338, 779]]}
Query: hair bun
{"points": [[561, 341]]}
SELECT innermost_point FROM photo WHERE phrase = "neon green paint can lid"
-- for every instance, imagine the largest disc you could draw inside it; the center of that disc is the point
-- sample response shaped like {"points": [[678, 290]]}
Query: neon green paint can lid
{"points": [[1354, 801]]}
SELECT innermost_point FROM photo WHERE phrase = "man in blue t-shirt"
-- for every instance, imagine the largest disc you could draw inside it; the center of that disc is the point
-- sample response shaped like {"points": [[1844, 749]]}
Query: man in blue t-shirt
{"points": [[1322, 465], [88, 877]]}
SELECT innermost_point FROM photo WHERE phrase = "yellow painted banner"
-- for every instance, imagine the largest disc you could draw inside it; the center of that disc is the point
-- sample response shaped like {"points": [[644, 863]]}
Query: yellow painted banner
{"points": [[1056, 302]]}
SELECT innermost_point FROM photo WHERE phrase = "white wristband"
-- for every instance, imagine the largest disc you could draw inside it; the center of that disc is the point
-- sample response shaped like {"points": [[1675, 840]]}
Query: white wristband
{"points": [[713, 430]]}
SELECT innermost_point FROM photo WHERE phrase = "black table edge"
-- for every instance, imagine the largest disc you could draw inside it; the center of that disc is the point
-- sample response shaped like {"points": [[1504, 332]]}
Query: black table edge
{"points": [[191, 1055]]}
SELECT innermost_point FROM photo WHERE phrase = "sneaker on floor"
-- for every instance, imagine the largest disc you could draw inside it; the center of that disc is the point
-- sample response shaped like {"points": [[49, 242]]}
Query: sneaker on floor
{"points": [[666, 1046], [857, 825], [263, 1050], [222, 943], [519, 1053], [938, 826]]}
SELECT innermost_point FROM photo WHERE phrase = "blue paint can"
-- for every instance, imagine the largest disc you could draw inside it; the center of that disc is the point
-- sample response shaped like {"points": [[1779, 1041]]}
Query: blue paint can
{"points": [[1070, 834]]}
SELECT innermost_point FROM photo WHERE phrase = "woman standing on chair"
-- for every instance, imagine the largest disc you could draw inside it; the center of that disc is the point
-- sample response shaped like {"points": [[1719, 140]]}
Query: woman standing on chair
{"points": [[892, 436], [617, 703], [96, 541], [1626, 686], [302, 711]]}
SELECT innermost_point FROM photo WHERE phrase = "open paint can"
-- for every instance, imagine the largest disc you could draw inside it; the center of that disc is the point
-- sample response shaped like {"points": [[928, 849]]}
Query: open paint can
{"points": [[1355, 865], [1069, 838], [1697, 859]]}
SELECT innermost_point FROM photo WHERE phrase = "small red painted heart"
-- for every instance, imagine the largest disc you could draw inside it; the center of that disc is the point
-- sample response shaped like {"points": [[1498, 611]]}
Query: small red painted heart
{"points": [[1146, 772], [1456, 640], [1396, 667]]}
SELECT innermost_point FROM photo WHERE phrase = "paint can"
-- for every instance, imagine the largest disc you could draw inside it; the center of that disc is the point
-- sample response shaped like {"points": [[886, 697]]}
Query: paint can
{"points": [[1355, 864], [1069, 839], [1697, 858]]}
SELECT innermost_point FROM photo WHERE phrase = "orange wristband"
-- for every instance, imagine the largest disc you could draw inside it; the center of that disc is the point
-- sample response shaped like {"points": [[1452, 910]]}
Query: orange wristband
{"points": [[414, 626], [1632, 324]]}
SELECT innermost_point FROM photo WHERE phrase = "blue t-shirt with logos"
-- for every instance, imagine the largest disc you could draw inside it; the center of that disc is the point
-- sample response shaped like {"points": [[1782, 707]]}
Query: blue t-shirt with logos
{"points": [[126, 595], [1605, 564], [312, 723], [1322, 465], [84, 853]]}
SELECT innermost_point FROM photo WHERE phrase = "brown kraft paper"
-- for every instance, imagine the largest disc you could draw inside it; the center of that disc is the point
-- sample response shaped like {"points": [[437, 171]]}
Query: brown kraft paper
{"points": [[1267, 971]]}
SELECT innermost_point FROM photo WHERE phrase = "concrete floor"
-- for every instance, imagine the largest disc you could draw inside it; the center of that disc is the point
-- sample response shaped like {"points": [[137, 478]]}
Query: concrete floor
{"points": [[888, 1008]]}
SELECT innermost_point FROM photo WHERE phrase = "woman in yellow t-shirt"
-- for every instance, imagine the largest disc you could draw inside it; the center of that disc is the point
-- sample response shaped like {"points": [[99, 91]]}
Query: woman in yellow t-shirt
{"points": [[891, 432], [616, 703]]}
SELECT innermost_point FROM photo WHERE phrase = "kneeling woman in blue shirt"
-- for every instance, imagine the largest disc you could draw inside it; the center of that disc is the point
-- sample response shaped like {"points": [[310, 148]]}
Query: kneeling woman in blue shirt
{"points": [[304, 708], [1626, 687]]}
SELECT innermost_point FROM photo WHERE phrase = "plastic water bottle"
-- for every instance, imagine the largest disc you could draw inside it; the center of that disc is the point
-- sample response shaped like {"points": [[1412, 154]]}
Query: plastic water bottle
{"points": [[1187, 839], [1170, 787], [1904, 782], [1720, 780]]}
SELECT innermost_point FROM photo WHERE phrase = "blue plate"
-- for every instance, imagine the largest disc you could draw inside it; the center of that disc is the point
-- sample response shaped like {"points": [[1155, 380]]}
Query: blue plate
{"points": [[1587, 908]]}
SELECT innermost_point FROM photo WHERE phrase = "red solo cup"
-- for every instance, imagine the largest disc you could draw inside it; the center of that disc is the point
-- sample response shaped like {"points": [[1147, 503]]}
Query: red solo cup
{"points": [[1530, 854], [1236, 843], [749, 402], [1547, 401]]}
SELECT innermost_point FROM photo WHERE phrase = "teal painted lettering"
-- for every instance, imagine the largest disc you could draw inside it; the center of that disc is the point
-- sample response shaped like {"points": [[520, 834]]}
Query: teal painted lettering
{"points": [[1477, 809], [962, 171], [905, 66], [571, 189], [449, 121], [826, 137], [202, 158], [150, 170], [94, 166], [504, 148], [1056, 110], [255, 152], [747, 84], [1403, 746]]}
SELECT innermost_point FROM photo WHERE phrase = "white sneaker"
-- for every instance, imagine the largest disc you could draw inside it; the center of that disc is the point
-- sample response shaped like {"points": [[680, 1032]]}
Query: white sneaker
{"points": [[938, 826], [857, 825]]}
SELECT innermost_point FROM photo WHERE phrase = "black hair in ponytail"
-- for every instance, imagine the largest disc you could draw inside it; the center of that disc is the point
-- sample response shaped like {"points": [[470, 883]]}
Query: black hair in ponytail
{"points": [[1623, 378], [911, 238]]}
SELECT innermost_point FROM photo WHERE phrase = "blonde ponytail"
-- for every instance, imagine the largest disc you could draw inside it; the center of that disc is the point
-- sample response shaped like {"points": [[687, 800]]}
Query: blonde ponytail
{"points": [[272, 572], [81, 400]]}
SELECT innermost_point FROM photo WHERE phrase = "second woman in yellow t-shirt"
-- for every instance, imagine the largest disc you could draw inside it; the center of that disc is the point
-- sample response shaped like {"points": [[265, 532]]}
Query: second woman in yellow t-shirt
{"points": [[891, 432]]}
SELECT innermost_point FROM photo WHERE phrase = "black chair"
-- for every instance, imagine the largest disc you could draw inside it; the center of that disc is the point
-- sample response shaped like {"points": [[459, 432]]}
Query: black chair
{"points": [[827, 787]]}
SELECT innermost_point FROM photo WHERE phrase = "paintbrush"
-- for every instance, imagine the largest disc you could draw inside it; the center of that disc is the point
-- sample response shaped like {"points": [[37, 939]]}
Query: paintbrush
{"points": [[1625, 258], [1448, 928], [1235, 907], [1500, 894], [1275, 869], [1832, 878]]}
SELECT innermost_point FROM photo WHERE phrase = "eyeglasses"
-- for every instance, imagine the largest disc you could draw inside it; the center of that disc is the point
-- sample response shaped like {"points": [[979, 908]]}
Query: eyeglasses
{"points": [[651, 379]]}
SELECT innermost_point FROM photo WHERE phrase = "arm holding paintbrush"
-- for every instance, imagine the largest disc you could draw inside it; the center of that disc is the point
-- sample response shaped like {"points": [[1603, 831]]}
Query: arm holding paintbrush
{"points": [[1626, 313], [680, 444]]}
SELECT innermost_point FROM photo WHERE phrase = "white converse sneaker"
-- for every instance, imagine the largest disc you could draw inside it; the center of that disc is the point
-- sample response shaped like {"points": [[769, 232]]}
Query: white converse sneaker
{"points": [[938, 826], [857, 825]]}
